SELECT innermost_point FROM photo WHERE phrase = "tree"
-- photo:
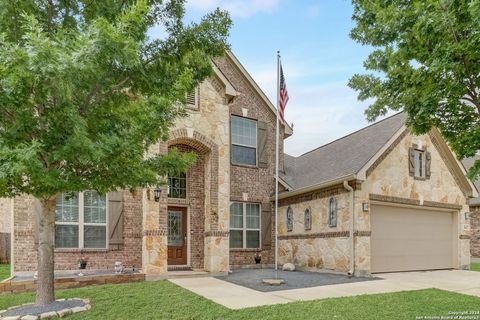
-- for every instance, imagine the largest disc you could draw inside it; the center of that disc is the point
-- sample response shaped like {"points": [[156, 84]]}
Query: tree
{"points": [[426, 62], [83, 94]]}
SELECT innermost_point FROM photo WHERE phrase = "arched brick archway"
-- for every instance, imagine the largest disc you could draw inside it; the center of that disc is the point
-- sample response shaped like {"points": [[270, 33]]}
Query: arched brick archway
{"points": [[202, 194], [203, 145]]}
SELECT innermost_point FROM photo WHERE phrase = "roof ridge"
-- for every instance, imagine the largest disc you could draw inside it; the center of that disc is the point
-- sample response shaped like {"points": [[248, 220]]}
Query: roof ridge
{"points": [[350, 134]]}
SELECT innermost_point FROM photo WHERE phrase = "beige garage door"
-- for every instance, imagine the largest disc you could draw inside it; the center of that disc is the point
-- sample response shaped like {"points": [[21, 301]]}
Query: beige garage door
{"points": [[405, 239]]}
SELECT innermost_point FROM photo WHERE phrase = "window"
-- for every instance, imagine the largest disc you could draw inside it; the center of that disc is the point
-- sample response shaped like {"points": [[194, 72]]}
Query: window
{"points": [[177, 186], [289, 219], [193, 99], [419, 163], [81, 220], [332, 212], [244, 225], [307, 219], [244, 141]]}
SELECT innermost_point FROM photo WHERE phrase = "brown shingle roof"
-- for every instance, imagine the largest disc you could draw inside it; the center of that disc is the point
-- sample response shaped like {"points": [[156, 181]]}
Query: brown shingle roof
{"points": [[341, 157]]}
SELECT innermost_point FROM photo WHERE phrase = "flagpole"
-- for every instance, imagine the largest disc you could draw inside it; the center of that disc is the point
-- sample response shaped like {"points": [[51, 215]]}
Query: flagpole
{"points": [[276, 163]]}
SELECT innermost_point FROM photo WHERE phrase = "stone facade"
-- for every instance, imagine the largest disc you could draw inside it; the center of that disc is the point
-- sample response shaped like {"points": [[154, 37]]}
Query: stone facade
{"points": [[388, 180], [322, 246], [442, 187]]}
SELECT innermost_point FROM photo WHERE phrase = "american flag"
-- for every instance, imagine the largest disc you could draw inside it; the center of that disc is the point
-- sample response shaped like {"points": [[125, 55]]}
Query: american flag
{"points": [[283, 96]]}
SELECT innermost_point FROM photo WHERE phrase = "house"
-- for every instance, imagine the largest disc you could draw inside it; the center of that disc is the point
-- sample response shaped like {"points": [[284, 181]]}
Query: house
{"points": [[377, 200], [5, 229], [474, 213], [216, 216]]}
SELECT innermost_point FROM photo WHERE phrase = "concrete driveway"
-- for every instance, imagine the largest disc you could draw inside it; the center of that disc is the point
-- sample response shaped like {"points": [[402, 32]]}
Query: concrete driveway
{"points": [[237, 297]]}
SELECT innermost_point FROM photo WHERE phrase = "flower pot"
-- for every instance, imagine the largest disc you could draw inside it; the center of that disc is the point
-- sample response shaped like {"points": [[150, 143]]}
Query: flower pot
{"points": [[258, 259], [82, 265]]}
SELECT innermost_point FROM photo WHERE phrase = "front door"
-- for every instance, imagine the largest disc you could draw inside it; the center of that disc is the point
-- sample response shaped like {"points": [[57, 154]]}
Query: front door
{"points": [[177, 236]]}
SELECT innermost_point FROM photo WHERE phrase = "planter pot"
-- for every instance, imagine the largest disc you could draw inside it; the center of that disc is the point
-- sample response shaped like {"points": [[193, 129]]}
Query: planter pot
{"points": [[82, 265], [258, 260]]}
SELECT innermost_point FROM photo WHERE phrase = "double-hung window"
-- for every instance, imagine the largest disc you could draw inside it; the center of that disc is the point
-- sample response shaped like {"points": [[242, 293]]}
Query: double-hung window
{"points": [[81, 220], [244, 141], [244, 225]]}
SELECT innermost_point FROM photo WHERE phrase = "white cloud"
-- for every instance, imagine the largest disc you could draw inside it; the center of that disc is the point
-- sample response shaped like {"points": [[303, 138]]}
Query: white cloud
{"points": [[237, 8], [320, 113]]}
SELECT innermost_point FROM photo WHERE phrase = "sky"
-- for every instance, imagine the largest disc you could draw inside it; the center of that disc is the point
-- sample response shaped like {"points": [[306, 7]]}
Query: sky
{"points": [[318, 59]]}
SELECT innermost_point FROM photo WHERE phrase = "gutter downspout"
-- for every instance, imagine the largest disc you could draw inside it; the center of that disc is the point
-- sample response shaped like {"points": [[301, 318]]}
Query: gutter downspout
{"points": [[352, 236]]}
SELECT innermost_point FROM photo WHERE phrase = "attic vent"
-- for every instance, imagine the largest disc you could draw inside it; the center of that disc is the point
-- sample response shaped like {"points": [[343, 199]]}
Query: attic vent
{"points": [[192, 99]]}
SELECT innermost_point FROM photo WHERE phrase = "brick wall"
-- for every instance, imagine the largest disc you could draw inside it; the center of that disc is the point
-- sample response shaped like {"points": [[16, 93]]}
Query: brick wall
{"points": [[257, 184], [196, 205], [475, 227], [130, 253]]}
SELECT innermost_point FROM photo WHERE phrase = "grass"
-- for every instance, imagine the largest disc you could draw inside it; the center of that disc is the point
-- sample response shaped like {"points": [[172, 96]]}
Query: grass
{"points": [[475, 266], [164, 300], [4, 271]]}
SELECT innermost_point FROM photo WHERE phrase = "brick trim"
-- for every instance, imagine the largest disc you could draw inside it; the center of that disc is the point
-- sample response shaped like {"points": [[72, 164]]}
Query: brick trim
{"points": [[399, 200], [464, 237], [386, 152], [158, 232], [332, 234], [318, 194], [217, 233], [447, 162], [414, 202], [362, 233], [442, 205]]}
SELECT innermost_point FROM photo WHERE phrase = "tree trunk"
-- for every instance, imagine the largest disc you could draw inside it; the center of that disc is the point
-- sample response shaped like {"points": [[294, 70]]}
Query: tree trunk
{"points": [[45, 215]]}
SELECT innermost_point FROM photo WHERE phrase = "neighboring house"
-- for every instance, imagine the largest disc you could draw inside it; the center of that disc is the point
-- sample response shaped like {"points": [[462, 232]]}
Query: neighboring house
{"points": [[214, 217], [5, 229], [377, 200], [474, 213]]}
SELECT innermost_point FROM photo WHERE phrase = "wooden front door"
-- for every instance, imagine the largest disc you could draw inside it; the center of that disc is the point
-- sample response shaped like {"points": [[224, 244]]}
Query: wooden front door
{"points": [[177, 236]]}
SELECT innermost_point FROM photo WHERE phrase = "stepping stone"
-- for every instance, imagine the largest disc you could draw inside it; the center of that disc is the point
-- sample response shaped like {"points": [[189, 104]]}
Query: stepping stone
{"points": [[273, 282]]}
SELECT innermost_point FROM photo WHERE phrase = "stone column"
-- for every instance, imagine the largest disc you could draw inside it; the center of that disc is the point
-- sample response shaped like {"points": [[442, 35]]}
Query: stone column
{"points": [[217, 246], [154, 233]]}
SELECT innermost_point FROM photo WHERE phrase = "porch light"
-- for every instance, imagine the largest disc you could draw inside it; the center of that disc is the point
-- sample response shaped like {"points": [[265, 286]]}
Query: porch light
{"points": [[157, 192]]}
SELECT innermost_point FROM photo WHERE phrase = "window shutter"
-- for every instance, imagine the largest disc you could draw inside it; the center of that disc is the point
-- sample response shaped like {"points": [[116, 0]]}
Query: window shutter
{"points": [[411, 162], [428, 165], [115, 218], [192, 97], [262, 144], [266, 227]]}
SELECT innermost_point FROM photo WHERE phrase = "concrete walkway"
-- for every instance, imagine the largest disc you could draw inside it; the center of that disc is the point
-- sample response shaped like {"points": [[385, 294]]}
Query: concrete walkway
{"points": [[237, 297]]}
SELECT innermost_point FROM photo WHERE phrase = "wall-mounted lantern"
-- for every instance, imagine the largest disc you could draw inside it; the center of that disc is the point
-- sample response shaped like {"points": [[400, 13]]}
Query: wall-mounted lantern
{"points": [[365, 207], [157, 192]]}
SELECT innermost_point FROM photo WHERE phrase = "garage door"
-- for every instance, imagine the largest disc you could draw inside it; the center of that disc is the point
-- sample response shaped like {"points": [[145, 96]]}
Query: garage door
{"points": [[405, 239]]}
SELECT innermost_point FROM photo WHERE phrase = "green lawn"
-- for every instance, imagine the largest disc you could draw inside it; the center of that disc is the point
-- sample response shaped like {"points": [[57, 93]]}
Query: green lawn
{"points": [[475, 266], [4, 271], [164, 300]]}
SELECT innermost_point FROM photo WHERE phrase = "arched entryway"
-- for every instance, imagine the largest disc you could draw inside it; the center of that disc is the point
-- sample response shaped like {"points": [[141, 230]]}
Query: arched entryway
{"points": [[191, 199]]}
